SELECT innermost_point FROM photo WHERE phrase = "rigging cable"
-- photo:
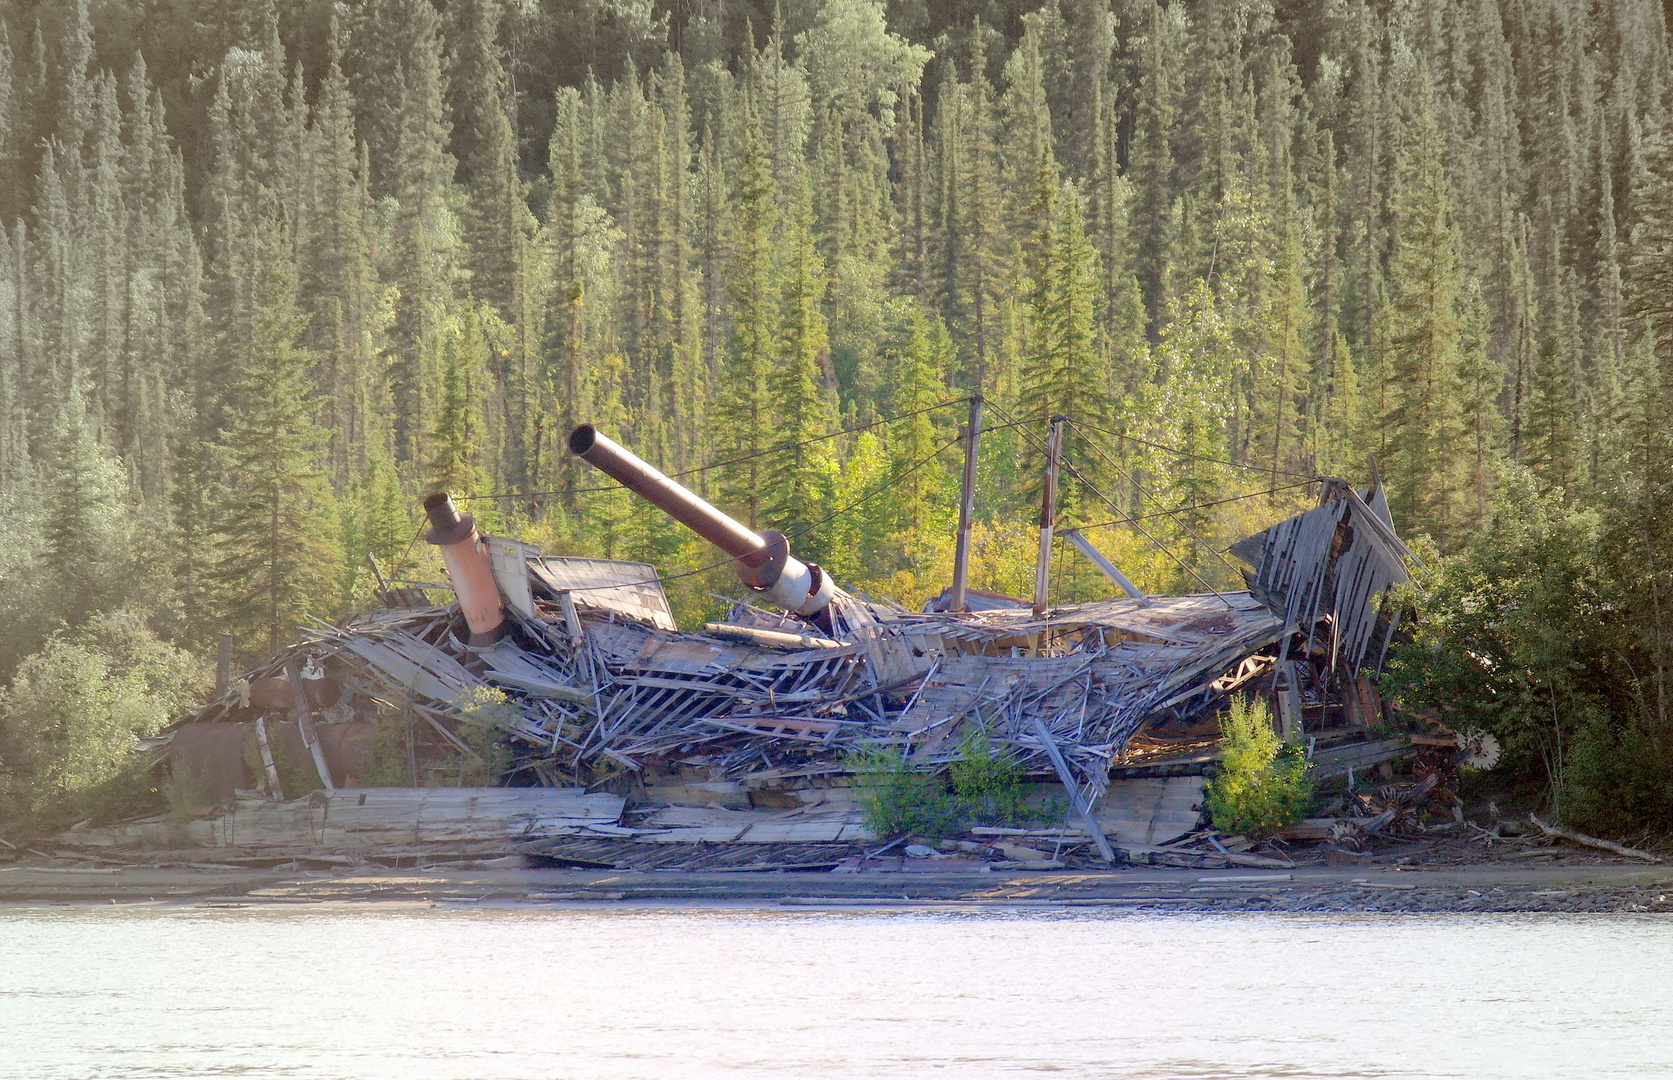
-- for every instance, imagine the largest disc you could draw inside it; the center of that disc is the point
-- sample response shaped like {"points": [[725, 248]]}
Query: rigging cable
{"points": [[1193, 506], [1199, 457], [1096, 449], [1076, 473], [734, 461]]}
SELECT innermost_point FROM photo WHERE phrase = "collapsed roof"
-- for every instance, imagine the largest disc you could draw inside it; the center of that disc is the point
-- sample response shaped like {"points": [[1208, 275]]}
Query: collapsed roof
{"points": [[597, 678]]}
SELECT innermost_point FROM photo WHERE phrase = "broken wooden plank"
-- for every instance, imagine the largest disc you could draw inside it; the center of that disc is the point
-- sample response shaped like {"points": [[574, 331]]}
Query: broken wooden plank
{"points": [[267, 762], [305, 720], [1105, 852], [1592, 841]]}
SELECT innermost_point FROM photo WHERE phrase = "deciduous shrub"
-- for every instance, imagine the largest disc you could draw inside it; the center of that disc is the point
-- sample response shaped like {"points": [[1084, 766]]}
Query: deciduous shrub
{"points": [[989, 787], [896, 797], [75, 709], [1262, 785]]}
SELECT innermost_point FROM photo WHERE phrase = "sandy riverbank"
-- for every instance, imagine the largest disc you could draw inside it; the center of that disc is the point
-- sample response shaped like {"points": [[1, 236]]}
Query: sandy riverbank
{"points": [[1590, 887]]}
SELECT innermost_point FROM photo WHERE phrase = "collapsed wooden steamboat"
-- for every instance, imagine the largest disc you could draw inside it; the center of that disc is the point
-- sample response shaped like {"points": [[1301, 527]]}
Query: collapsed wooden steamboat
{"points": [[614, 738]]}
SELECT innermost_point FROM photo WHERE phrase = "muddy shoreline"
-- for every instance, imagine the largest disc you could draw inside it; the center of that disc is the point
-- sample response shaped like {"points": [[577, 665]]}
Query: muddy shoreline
{"points": [[1576, 887]]}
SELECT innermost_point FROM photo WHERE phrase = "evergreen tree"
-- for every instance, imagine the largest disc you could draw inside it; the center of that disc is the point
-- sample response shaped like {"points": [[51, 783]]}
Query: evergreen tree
{"points": [[1062, 371], [921, 371], [337, 286], [423, 242], [457, 436], [271, 513], [798, 477], [743, 412], [84, 528], [971, 244], [1427, 460]]}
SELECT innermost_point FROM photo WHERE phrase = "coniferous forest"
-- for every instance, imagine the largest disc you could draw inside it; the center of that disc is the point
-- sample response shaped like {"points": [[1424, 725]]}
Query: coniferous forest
{"points": [[272, 271]]}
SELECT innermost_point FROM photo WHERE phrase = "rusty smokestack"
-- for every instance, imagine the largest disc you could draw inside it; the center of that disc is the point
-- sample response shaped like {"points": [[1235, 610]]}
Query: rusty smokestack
{"points": [[467, 567], [763, 559]]}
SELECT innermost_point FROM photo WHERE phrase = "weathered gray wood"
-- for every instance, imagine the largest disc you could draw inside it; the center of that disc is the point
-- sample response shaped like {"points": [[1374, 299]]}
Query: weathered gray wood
{"points": [[958, 598], [1592, 841], [1105, 852], [1150, 810], [1048, 517], [305, 720], [273, 787], [1289, 701], [509, 561], [223, 666]]}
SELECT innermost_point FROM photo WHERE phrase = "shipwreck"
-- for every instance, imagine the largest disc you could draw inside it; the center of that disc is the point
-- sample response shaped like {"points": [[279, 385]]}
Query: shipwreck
{"points": [[611, 737]]}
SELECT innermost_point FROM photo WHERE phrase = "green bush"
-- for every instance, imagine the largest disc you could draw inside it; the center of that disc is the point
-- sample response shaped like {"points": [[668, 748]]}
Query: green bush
{"points": [[1615, 779], [989, 788], [489, 715], [77, 707], [1262, 785], [898, 799]]}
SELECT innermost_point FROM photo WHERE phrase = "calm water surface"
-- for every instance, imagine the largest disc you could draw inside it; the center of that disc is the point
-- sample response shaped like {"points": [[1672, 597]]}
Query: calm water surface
{"points": [[602, 995]]}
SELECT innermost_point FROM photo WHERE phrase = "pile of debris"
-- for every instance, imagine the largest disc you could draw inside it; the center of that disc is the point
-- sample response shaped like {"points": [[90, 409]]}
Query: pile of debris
{"points": [[566, 676]]}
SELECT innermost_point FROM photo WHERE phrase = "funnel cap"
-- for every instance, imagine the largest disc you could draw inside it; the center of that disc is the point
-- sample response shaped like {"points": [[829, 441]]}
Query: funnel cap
{"points": [[447, 524]]}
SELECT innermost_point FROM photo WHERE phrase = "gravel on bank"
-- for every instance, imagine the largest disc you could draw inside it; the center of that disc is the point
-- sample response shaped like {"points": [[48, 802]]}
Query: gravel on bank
{"points": [[1596, 887]]}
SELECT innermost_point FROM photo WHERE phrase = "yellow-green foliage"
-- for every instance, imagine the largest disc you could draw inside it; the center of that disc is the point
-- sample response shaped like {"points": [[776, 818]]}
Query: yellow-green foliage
{"points": [[1262, 785], [77, 706], [488, 713], [989, 786], [896, 797]]}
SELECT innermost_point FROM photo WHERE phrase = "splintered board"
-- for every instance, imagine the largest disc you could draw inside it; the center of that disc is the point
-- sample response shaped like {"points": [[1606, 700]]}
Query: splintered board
{"points": [[1150, 811], [372, 816]]}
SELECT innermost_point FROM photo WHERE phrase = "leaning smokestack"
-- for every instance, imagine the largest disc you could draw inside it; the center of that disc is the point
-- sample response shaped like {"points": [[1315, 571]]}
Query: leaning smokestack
{"points": [[467, 567], [763, 559]]}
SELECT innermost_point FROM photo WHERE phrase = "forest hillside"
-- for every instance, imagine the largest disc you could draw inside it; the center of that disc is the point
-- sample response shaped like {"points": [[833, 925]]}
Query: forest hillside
{"points": [[271, 271]]}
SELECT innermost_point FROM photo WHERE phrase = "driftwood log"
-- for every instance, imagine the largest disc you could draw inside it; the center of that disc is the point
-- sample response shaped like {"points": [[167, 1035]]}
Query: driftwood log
{"points": [[1592, 841]]}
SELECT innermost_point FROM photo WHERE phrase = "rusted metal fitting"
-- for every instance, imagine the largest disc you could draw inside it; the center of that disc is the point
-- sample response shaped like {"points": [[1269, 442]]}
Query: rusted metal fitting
{"points": [[763, 559], [468, 568]]}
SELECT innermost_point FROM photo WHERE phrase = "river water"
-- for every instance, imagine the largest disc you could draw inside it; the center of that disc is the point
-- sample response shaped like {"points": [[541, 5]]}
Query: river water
{"points": [[669, 994]]}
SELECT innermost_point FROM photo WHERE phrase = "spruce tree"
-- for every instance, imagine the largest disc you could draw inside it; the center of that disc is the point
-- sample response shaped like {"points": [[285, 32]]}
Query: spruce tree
{"points": [[337, 286], [457, 435], [921, 371], [1427, 459], [743, 411], [798, 476], [1062, 371], [85, 518], [271, 512], [424, 248]]}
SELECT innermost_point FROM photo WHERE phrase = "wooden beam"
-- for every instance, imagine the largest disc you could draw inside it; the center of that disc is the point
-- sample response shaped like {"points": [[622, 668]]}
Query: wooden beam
{"points": [[223, 667], [305, 721], [1287, 686], [1048, 517], [273, 787], [959, 599], [1077, 538], [1072, 785]]}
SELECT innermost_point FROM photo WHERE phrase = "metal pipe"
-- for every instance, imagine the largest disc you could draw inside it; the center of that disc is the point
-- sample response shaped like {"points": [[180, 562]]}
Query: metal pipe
{"points": [[1048, 517], [959, 600], [467, 567], [763, 559], [672, 498]]}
